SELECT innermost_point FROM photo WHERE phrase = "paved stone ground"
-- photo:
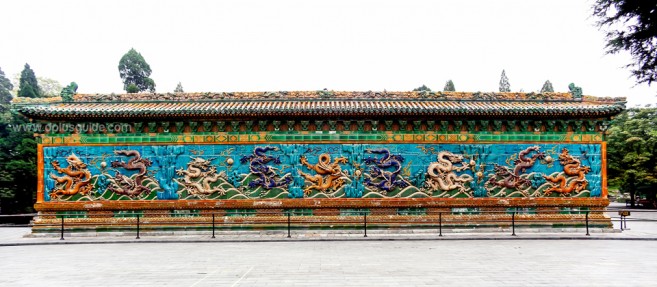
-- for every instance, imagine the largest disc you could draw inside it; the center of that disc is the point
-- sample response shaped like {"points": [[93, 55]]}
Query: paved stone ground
{"points": [[336, 263]]}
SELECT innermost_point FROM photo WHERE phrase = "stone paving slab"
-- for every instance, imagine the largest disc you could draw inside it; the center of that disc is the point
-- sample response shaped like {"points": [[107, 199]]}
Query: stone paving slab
{"points": [[335, 263]]}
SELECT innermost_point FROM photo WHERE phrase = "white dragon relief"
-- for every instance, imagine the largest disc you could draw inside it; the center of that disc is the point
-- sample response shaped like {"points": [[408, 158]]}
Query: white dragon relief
{"points": [[442, 174], [199, 177]]}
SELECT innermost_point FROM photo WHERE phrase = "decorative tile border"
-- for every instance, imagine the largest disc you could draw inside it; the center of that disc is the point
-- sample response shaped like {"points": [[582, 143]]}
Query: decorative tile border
{"points": [[321, 137]]}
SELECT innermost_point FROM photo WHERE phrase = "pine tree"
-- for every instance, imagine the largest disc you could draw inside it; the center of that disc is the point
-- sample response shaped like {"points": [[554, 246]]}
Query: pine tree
{"points": [[5, 95], [134, 72], [449, 86], [631, 26], [505, 86], [547, 87], [179, 88], [28, 86]]}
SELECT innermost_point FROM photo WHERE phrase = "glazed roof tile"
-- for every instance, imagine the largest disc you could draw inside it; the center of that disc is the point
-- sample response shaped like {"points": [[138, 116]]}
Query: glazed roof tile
{"points": [[324, 104]]}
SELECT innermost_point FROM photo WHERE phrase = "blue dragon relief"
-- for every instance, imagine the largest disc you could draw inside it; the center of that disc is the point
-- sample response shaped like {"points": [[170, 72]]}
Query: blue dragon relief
{"points": [[384, 171], [267, 177]]}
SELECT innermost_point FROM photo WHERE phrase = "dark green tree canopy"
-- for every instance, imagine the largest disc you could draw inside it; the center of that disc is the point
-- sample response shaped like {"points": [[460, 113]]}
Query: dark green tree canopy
{"points": [[631, 25], [134, 70], [17, 167], [632, 149], [4, 82], [28, 86], [5, 95], [422, 88], [17, 154], [179, 88], [547, 87], [449, 86], [505, 86]]}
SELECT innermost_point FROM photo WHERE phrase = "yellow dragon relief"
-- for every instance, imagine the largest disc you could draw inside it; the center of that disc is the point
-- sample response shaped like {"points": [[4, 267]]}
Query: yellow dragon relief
{"points": [[572, 167], [199, 177], [329, 175], [76, 178], [442, 174]]}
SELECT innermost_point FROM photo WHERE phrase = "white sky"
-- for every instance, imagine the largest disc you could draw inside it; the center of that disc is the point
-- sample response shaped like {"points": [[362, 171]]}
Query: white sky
{"points": [[310, 45]]}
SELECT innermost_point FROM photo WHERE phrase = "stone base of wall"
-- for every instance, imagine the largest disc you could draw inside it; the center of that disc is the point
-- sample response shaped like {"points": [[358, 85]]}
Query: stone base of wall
{"points": [[322, 214], [449, 221]]}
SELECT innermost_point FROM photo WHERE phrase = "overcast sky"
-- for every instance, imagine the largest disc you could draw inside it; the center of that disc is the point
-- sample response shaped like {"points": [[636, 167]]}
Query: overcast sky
{"points": [[310, 45]]}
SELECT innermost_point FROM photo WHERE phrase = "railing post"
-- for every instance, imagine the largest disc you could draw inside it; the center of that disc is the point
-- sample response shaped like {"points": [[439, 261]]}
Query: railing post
{"points": [[513, 223], [587, 223], [212, 225], [288, 224], [365, 224], [621, 222], [440, 224], [137, 226], [62, 237]]}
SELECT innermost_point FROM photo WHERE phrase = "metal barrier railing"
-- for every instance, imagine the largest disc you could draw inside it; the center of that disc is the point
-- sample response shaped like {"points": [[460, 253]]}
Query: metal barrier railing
{"points": [[353, 219], [27, 217]]}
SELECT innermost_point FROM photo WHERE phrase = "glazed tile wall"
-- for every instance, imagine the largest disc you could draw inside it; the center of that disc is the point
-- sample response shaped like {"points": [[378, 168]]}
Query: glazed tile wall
{"points": [[257, 171]]}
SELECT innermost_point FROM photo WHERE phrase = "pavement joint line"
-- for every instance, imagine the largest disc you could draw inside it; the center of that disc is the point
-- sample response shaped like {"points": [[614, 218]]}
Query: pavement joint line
{"points": [[244, 275], [205, 277]]}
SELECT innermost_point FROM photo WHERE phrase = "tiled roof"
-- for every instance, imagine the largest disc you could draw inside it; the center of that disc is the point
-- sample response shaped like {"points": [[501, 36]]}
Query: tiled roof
{"points": [[340, 107]]}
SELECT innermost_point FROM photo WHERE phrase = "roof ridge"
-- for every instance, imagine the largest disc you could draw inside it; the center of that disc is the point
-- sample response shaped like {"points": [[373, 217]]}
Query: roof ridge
{"points": [[339, 109]]}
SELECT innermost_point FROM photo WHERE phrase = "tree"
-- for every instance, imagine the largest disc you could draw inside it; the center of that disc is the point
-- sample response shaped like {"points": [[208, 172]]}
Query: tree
{"points": [[17, 167], [422, 88], [547, 87], [179, 88], [132, 88], [5, 95], [134, 70], [449, 86], [27, 85], [49, 87], [17, 152], [631, 25], [632, 150], [505, 86]]}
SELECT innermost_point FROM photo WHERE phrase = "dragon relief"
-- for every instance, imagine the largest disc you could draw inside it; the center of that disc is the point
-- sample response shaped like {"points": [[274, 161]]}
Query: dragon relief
{"points": [[512, 179], [267, 177], [76, 178], [388, 180], [329, 175], [126, 185], [572, 167], [442, 174], [199, 177]]}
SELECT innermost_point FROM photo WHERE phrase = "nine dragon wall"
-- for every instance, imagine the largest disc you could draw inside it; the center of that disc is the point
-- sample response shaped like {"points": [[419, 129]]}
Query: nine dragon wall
{"points": [[182, 172]]}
